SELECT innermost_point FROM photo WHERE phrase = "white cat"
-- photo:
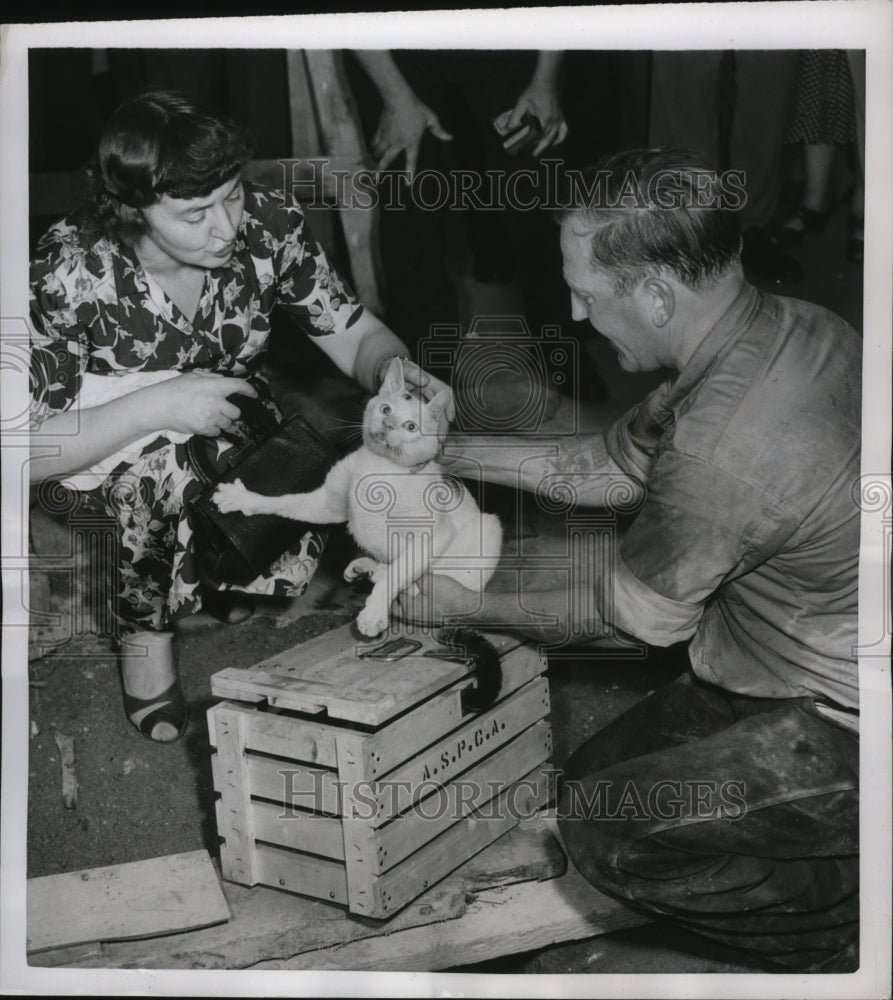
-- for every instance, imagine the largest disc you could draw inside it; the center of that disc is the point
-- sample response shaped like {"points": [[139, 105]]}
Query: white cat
{"points": [[397, 504]]}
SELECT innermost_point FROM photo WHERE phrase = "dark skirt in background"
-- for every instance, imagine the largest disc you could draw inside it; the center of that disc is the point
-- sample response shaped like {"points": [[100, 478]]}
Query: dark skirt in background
{"points": [[824, 109]]}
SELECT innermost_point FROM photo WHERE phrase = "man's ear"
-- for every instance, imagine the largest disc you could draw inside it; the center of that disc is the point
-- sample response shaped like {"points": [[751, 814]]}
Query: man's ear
{"points": [[661, 300]]}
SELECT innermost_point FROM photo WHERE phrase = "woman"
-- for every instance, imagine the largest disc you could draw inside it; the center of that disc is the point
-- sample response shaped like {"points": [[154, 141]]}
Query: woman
{"points": [[167, 279]]}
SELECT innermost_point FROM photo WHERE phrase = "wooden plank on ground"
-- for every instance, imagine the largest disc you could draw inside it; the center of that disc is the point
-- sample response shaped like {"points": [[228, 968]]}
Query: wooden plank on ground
{"points": [[268, 924], [501, 921], [179, 892]]}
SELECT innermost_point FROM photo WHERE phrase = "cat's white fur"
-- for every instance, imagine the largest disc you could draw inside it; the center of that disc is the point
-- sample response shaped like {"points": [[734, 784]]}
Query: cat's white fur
{"points": [[397, 504]]}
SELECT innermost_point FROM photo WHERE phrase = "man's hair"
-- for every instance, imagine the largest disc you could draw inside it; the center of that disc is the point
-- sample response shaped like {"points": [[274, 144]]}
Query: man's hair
{"points": [[159, 142], [646, 211]]}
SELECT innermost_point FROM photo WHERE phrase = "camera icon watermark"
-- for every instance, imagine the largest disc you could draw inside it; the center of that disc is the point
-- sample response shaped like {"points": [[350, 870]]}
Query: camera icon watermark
{"points": [[506, 378]]}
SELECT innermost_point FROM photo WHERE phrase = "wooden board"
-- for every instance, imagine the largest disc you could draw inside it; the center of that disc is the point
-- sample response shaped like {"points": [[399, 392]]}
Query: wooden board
{"points": [[268, 924], [501, 921], [178, 892], [330, 674]]}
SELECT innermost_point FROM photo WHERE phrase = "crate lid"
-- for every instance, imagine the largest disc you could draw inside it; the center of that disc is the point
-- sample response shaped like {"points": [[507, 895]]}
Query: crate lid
{"points": [[350, 678]]}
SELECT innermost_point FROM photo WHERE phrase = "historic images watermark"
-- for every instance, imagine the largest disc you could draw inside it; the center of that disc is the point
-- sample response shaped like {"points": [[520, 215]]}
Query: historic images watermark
{"points": [[547, 186], [315, 792]]}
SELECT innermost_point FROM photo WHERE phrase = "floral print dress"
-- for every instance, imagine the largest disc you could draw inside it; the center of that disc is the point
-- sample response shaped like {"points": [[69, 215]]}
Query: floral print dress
{"points": [[95, 309]]}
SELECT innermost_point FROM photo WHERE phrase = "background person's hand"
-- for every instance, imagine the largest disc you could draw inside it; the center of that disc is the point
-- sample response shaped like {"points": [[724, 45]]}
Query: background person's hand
{"points": [[435, 600], [401, 127], [196, 402], [539, 99]]}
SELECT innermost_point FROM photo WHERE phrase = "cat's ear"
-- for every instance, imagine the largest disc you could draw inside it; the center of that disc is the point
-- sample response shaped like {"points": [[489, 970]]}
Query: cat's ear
{"points": [[438, 404], [393, 381]]}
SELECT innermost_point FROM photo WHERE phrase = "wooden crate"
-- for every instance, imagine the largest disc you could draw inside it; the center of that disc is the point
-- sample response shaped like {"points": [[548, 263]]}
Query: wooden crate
{"points": [[364, 780]]}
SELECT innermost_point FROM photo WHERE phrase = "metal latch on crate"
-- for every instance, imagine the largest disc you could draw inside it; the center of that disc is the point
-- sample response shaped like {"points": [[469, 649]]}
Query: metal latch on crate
{"points": [[392, 649]]}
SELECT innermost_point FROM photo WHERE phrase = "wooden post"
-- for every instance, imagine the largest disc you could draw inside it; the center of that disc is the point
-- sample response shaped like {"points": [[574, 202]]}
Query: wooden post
{"points": [[342, 139]]}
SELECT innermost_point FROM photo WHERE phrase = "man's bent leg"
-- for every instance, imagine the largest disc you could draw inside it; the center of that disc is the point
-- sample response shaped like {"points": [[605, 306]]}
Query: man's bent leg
{"points": [[748, 836]]}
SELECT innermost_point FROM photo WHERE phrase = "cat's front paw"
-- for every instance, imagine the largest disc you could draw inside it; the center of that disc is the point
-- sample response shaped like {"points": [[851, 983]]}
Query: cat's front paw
{"points": [[364, 566], [372, 621], [234, 496]]}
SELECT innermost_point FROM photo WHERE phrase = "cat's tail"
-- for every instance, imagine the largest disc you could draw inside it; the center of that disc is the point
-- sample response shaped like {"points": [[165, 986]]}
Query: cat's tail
{"points": [[484, 657]]}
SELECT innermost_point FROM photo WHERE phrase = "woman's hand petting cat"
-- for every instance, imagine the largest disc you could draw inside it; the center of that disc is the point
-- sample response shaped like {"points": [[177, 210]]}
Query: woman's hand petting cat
{"points": [[427, 385], [436, 600]]}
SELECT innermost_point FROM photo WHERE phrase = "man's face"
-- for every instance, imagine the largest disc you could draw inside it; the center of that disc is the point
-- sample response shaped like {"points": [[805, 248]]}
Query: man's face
{"points": [[625, 320], [198, 231]]}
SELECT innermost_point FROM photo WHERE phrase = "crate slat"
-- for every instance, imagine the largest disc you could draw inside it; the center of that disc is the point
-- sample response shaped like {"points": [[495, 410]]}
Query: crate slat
{"points": [[304, 786], [329, 675], [393, 890], [233, 815], [302, 873], [459, 750], [367, 756], [383, 691], [344, 639], [266, 732], [430, 817], [300, 831]]}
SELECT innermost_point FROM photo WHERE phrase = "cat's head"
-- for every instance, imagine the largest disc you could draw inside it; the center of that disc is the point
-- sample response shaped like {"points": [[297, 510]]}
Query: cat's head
{"points": [[398, 424]]}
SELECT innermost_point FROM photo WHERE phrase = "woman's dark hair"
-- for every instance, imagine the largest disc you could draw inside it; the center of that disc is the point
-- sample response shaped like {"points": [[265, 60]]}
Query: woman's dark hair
{"points": [[646, 210], [159, 142]]}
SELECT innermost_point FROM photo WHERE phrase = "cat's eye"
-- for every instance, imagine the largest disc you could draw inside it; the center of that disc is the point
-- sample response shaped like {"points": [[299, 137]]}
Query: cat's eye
{"points": [[385, 409], [407, 395], [410, 425]]}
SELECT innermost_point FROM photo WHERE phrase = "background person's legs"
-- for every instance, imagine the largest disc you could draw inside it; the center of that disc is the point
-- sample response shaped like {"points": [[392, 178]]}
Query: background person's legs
{"points": [[684, 101], [764, 90]]}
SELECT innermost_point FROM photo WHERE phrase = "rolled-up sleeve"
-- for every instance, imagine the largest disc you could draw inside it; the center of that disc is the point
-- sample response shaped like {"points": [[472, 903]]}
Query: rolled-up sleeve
{"points": [[700, 526]]}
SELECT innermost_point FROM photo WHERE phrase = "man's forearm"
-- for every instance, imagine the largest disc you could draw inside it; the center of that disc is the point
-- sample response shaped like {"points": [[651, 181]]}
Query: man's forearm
{"points": [[383, 71], [580, 466], [552, 617], [548, 66]]}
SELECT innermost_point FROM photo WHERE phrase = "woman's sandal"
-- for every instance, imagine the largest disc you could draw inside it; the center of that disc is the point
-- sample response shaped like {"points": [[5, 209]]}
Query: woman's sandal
{"points": [[231, 608], [168, 708]]}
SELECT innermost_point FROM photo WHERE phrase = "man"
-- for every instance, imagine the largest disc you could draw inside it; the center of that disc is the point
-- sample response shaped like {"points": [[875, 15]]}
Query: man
{"points": [[727, 801]]}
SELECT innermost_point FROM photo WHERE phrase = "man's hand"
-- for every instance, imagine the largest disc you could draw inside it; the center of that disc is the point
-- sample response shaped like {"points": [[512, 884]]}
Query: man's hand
{"points": [[433, 598], [401, 128]]}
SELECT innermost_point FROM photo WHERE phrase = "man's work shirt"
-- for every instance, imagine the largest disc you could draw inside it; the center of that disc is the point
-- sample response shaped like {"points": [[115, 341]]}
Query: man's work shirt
{"points": [[748, 540]]}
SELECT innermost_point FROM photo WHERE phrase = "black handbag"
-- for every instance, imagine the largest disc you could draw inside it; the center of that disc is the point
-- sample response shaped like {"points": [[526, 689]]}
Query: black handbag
{"points": [[270, 457]]}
